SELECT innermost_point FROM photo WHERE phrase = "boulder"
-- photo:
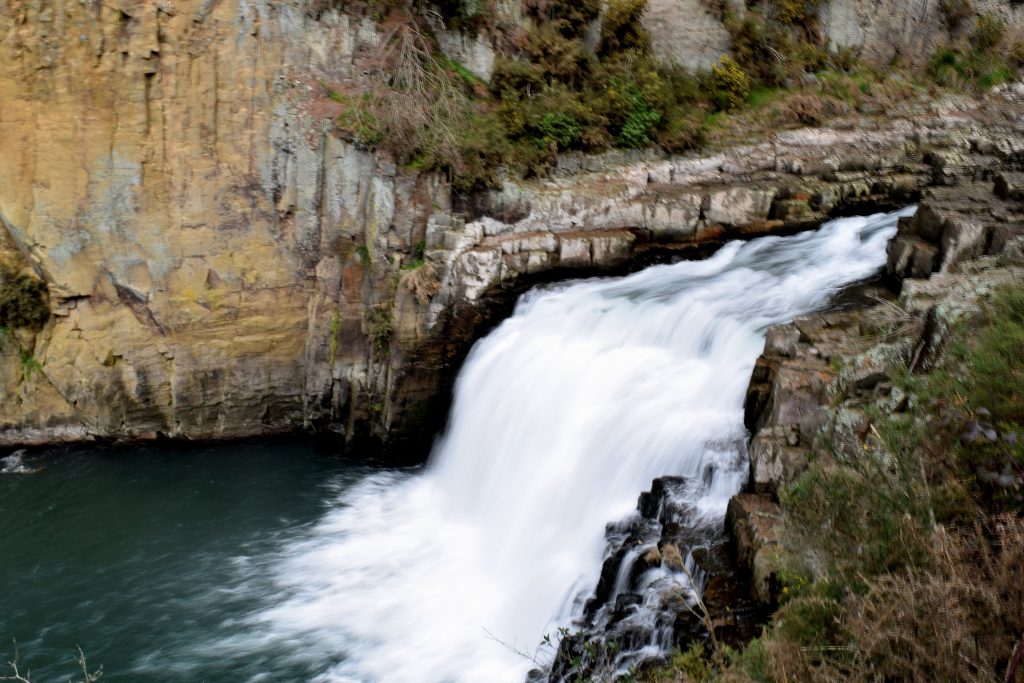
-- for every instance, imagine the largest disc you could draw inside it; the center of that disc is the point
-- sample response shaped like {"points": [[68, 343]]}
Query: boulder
{"points": [[738, 206], [753, 522], [776, 458], [674, 217]]}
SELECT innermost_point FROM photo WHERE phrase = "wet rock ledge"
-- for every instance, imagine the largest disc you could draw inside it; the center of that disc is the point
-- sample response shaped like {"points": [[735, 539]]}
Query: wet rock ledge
{"points": [[639, 609]]}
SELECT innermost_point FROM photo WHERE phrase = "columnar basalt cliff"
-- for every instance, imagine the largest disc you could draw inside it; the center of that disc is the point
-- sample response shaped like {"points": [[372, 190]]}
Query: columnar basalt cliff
{"points": [[222, 263]]}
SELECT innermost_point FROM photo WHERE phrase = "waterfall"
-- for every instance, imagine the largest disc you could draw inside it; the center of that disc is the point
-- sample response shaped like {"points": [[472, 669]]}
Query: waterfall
{"points": [[562, 416]]}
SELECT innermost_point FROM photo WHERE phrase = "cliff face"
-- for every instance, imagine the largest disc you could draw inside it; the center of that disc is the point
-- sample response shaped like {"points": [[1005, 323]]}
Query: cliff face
{"points": [[880, 32], [883, 32], [168, 166], [220, 263]]}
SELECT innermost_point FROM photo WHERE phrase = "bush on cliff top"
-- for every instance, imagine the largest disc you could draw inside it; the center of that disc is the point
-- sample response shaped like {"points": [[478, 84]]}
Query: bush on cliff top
{"points": [[556, 95], [554, 90]]}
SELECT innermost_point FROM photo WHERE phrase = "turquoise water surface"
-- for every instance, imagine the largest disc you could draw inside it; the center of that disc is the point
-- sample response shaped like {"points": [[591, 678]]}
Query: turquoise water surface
{"points": [[154, 558]]}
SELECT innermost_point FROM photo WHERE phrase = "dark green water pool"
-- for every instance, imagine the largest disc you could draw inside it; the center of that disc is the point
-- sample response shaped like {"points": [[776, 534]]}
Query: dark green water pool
{"points": [[150, 558]]}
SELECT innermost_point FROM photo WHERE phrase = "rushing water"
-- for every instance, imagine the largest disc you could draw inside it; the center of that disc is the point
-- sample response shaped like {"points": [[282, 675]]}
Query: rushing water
{"points": [[237, 566]]}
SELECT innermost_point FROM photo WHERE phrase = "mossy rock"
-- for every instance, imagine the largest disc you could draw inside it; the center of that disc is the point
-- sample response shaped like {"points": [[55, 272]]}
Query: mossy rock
{"points": [[24, 300]]}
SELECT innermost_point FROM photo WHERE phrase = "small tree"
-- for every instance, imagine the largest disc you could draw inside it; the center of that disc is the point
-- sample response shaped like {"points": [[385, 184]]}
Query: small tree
{"points": [[730, 85], [419, 111]]}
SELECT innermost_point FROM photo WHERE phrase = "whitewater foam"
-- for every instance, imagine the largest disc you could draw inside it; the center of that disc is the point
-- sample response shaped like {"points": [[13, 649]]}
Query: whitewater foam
{"points": [[562, 416]]}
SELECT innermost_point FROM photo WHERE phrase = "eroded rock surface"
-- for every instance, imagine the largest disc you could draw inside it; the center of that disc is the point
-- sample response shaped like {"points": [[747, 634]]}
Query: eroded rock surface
{"points": [[881, 31], [642, 597]]}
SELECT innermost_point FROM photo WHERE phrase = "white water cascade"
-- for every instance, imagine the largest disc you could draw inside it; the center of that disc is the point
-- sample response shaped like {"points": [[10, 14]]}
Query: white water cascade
{"points": [[562, 416]]}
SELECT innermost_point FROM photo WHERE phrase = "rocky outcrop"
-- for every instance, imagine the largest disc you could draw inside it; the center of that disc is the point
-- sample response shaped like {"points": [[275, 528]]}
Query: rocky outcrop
{"points": [[642, 597], [883, 31], [956, 224], [822, 376]]}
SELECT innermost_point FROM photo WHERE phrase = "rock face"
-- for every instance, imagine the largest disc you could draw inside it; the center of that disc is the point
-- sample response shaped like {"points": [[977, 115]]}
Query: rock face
{"points": [[955, 224], [221, 263], [641, 597], [170, 172], [687, 32], [753, 524], [691, 32], [887, 30], [821, 376]]}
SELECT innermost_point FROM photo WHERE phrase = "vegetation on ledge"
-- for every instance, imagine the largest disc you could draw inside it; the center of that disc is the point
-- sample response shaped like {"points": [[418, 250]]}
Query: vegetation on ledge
{"points": [[574, 78]]}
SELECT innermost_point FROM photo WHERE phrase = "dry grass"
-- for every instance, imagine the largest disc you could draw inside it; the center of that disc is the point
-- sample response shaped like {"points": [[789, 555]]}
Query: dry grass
{"points": [[418, 110], [422, 282], [960, 620]]}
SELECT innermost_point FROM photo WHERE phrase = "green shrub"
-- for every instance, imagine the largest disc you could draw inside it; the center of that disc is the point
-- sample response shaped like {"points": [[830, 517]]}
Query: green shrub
{"points": [[792, 11], [463, 14], [359, 118], [381, 327], [557, 118], [568, 17], [558, 128], [681, 129], [865, 515], [996, 379], [753, 661], [23, 300], [636, 132], [29, 364], [559, 58], [1016, 55], [484, 149], [761, 47], [622, 29], [844, 58], [945, 66], [997, 76], [692, 663], [809, 620], [730, 85], [511, 78], [632, 97]]}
